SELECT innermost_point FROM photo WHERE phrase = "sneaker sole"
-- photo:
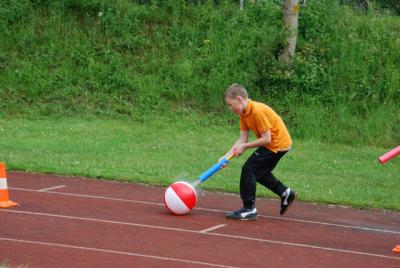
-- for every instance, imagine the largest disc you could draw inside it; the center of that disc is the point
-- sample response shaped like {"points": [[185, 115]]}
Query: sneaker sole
{"points": [[249, 219], [242, 219]]}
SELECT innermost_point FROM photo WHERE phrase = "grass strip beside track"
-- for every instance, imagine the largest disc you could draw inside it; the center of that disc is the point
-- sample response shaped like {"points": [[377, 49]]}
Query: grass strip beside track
{"points": [[169, 149]]}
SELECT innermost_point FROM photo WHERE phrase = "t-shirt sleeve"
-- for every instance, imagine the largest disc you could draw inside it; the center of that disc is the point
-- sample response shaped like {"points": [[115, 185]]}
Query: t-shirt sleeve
{"points": [[243, 125], [262, 122]]}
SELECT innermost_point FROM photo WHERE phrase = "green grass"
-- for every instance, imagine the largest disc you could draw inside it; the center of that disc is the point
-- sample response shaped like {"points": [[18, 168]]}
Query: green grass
{"points": [[121, 57], [5, 264], [160, 151]]}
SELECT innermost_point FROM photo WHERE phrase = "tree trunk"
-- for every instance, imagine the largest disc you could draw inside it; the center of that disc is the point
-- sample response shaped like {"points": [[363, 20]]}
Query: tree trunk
{"points": [[291, 9]]}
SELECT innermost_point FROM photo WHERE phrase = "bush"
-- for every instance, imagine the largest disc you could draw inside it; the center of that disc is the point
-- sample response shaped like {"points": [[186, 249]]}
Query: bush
{"points": [[136, 57], [13, 11]]}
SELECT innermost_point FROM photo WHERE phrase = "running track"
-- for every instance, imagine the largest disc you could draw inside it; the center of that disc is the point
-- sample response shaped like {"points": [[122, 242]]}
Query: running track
{"points": [[78, 222]]}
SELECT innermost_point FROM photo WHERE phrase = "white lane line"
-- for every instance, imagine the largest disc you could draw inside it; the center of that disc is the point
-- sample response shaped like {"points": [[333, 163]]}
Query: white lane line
{"points": [[316, 222], [222, 211], [114, 252], [211, 234], [212, 228], [91, 196], [51, 188], [334, 225]]}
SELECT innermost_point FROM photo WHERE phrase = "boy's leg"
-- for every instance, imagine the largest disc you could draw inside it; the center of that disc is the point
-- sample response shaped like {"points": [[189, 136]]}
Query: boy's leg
{"points": [[258, 168], [269, 180], [272, 183], [286, 194]]}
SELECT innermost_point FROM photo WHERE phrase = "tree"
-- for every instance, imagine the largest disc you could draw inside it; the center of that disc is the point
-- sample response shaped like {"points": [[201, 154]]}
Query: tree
{"points": [[291, 9]]}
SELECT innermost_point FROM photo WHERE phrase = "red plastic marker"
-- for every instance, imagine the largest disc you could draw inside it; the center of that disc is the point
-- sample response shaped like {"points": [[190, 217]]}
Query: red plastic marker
{"points": [[389, 155]]}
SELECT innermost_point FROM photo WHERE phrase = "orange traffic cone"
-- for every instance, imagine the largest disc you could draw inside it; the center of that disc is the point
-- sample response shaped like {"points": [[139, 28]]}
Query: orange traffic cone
{"points": [[397, 249], [5, 202]]}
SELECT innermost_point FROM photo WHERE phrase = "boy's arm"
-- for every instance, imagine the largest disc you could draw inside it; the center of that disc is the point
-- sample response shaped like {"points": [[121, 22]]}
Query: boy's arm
{"points": [[243, 138], [262, 141]]}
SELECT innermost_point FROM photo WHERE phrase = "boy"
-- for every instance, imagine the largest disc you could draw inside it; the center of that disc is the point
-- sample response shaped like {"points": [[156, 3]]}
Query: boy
{"points": [[273, 142]]}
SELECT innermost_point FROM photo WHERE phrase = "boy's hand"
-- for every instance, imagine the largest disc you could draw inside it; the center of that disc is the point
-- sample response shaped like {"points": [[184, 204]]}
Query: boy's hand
{"points": [[225, 164], [239, 149], [227, 157]]}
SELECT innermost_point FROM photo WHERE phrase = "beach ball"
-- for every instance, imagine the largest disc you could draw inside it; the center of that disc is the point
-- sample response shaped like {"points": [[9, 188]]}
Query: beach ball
{"points": [[180, 197]]}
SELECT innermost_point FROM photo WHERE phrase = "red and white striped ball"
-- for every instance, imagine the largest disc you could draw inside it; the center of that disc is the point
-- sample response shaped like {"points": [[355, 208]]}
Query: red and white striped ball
{"points": [[180, 197]]}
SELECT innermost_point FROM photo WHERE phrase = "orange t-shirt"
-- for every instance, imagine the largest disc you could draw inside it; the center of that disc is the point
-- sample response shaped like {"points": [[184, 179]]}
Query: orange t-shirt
{"points": [[260, 118]]}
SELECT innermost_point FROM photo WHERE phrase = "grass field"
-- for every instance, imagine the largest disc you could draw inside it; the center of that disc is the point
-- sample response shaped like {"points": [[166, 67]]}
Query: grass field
{"points": [[173, 148], [121, 57], [60, 60]]}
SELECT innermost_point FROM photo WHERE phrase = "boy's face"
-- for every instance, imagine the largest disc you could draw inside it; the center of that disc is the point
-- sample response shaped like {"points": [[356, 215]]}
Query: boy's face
{"points": [[236, 105]]}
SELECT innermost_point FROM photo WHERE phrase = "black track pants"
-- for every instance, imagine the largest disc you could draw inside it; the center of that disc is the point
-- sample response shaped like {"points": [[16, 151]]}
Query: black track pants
{"points": [[258, 169]]}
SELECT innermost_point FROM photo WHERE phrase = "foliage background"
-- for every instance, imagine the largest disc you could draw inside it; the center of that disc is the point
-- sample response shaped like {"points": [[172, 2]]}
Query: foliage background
{"points": [[137, 58]]}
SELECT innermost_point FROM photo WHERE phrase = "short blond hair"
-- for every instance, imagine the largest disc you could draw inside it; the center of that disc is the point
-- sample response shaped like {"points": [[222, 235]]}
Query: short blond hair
{"points": [[235, 90]]}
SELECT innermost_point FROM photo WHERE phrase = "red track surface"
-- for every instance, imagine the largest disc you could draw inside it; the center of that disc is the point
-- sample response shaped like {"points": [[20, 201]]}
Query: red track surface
{"points": [[96, 223]]}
